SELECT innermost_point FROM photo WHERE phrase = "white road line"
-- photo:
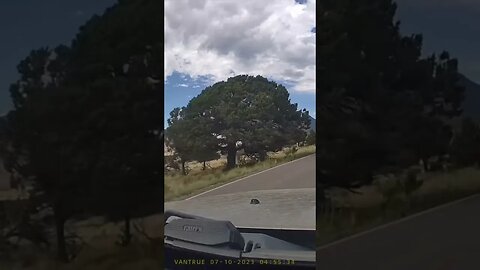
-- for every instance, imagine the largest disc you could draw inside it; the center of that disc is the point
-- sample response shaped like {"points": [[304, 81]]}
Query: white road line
{"points": [[397, 221], [210, 190]]}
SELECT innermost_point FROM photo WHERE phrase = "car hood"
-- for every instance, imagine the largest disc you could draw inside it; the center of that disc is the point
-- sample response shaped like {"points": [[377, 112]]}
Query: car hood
{"points": [[284, 209]]}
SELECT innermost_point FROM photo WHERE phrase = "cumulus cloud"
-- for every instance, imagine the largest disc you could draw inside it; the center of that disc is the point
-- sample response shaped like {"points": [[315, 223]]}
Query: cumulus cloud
{"points": [[222, 38]]}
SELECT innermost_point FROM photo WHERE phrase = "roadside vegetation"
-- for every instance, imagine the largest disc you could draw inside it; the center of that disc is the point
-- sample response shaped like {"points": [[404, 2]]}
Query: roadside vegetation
{"points": [[393, 138], [97, 246], [233, 128], [179, 186], [244, 113], [84, 141], [349, 213]]}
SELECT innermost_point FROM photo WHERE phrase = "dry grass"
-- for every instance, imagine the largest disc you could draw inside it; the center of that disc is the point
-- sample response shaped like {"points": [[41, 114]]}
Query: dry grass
{"points": [[462, 180], [12, 195], [135, 256], [100, 251], [196, 167], [358, 212], [368, 197], [467, 179], [180, 186]]}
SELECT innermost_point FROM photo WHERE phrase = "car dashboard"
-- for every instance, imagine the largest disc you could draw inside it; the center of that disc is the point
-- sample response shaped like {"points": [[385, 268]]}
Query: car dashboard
{"points": [[193, 242]]}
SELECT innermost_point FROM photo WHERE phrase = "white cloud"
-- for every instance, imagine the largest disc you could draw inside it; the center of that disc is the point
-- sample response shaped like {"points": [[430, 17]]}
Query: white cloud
{"points": [[182, 85], [225, 37]]}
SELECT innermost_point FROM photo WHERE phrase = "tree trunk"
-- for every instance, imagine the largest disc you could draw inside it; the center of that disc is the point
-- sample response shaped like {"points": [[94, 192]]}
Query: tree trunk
{"points": [[128, 234], [204, 165], [60, 229], [183, 168], [231, 157]]}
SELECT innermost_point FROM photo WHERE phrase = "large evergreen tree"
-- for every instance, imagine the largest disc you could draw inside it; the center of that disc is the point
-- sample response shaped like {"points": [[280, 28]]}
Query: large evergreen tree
{"points": [[381, 103], [48, 140], [243, 112], [87, 124], [117, 60]]}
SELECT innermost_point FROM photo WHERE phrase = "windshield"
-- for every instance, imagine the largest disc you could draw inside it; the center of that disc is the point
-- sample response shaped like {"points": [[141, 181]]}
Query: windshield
{"points": [[265, 220]]}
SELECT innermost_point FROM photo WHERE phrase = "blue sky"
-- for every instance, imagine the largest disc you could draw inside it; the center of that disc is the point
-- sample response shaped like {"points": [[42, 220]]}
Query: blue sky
{"points": [[208, 41]]}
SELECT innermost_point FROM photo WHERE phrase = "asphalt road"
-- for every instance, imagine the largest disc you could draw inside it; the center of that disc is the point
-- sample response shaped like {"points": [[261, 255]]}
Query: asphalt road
{"points": [[444, 238], [299, 173]]}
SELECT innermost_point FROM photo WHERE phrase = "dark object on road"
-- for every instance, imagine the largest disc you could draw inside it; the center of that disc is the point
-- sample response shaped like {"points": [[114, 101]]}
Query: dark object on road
{"points": [[254, 201], [276, 210]]}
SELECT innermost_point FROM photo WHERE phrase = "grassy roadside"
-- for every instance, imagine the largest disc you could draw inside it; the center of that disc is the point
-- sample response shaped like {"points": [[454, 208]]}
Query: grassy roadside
{"points": [[99, 249], [178, 187], [359, 212], [138, 255]]}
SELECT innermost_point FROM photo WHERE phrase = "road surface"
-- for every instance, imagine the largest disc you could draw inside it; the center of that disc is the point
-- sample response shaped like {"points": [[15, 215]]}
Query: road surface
{"points": [[286, 195], [447, 237], [299, 173]]}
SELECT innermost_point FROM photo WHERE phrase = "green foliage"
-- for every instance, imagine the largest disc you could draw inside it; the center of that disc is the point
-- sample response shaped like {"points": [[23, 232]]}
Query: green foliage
{"points": [[129, 150], [89, 136], [190, 139], [120, 55], [49, 142], [246, 109], [311, 138], [382, 106], [171, 163]]}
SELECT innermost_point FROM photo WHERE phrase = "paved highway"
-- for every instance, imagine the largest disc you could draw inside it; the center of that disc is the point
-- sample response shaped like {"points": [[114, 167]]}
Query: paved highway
{"points": [[299, 173], [447, 237]]}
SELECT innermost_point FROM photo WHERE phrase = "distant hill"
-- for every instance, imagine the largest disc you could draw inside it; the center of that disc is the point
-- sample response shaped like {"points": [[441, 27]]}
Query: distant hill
{"points": [[313, 124], [471, 104]]}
